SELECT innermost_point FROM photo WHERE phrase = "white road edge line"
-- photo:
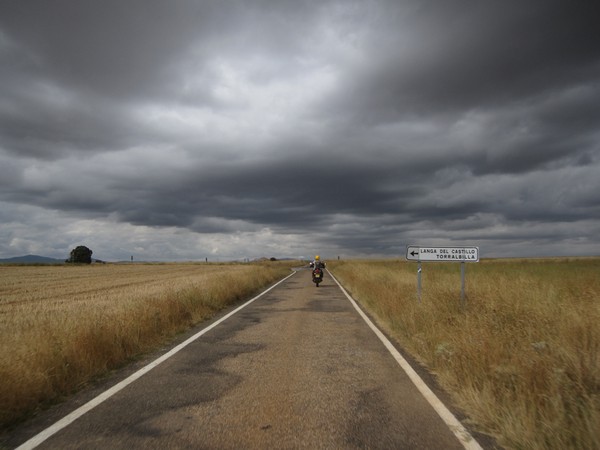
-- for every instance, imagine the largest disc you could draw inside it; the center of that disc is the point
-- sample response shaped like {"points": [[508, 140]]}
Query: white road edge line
{"points": [[465, 438], [70, 418]]}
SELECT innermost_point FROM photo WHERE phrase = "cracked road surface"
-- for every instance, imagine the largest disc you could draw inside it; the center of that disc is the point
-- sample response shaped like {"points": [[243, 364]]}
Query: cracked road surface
{"points": [[297, 368]]}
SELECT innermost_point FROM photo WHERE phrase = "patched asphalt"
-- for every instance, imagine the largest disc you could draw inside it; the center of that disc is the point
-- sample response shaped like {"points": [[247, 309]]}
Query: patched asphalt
{"points": [[297, 368]]}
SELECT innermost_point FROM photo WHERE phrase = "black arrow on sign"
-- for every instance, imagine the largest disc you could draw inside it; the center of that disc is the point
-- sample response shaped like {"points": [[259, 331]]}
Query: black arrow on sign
{"points": [[414, 253]]}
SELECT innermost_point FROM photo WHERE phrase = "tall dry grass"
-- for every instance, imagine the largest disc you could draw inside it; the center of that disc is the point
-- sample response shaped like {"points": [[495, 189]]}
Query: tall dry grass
{"points": [[61, 326], [522, 358]]}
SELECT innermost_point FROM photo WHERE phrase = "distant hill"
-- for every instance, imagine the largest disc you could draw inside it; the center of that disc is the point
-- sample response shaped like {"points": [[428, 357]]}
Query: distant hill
{"points": [[31, 259]]}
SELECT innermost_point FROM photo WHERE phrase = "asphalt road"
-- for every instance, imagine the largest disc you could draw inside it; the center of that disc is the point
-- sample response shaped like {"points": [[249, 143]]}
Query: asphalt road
{"points": [[297, 368]]}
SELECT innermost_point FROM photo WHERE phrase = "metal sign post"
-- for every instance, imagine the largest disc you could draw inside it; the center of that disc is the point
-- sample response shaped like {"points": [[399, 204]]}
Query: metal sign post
{"points": [[462, 285], [443, 254], [419, 282]]}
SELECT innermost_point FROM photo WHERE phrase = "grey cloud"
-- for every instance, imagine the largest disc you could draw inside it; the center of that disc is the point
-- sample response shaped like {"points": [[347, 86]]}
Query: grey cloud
{"points": [[115, 48], [137, 48], [462, 56], [348, 126]]}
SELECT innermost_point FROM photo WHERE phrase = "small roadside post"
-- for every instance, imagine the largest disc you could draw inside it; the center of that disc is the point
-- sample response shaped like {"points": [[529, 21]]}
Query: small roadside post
{"points": [[442, 254]]}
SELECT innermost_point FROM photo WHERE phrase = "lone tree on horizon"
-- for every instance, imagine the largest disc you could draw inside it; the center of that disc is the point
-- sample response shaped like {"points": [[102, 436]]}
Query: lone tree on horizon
{"points": [[81, 255]]}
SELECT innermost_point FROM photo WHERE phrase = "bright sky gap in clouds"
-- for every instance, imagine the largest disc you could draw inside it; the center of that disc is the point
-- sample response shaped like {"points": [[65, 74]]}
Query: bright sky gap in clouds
{"points": [[188, 129]]}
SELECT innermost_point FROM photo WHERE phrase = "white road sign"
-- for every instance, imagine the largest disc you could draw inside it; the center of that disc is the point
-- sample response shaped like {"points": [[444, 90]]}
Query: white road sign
{"points": [[442, 254]]}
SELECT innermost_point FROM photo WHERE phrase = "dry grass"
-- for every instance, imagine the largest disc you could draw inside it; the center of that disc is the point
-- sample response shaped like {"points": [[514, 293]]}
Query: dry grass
{"points": [[61, 326], [522, 359]]}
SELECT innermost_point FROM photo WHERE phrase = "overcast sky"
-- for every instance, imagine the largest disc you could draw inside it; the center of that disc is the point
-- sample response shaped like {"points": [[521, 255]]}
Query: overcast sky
{"points": [[184, 129]]}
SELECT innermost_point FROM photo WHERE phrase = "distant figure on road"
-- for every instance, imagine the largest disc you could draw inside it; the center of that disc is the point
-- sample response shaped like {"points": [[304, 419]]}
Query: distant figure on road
{"points": [[317, 263]]}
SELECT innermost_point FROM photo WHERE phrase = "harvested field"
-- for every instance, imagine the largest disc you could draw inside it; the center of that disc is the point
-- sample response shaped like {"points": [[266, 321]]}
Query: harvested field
{"points": [[61, 326]]}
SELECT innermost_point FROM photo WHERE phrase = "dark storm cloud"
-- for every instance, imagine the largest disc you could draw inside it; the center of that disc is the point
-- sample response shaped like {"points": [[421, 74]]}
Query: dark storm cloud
{"points": [[293, 194], [448, 56], [114, 48], [355, 127], [135, 48]]}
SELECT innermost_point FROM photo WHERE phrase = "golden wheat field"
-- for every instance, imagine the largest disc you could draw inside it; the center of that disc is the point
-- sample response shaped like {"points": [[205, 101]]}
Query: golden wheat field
{"points": [[522, 358], [61, 326]]}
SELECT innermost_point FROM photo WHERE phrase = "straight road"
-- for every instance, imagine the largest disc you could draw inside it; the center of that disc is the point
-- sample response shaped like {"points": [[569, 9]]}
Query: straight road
{"points": [[296, 368]]}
